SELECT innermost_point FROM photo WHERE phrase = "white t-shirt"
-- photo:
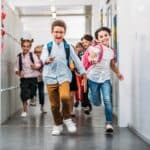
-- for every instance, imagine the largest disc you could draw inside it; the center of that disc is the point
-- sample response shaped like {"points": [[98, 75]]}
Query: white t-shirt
{"points": [[101, 71]]}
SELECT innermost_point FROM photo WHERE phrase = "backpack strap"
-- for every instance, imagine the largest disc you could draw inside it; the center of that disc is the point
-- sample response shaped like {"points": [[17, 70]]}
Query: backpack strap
{"points": [[20, 62], [67, 50], [31, 57], [101, 53], [49, 47]]}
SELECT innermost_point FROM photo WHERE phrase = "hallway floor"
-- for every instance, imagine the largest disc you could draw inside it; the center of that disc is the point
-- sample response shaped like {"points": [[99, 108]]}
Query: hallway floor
{"points": [[34, 133]]}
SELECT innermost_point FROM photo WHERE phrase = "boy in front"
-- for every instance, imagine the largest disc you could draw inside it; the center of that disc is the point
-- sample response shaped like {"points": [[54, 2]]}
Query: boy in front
{"points": [[57, 76]]}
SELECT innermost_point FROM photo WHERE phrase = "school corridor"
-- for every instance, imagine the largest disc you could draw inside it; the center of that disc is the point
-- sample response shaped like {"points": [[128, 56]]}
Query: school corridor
{"points": [[129, 23]]}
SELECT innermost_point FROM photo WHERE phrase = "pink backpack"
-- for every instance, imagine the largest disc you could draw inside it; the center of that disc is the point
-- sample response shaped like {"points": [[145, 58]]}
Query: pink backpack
{"points": [[85, 60], [88, 64]]}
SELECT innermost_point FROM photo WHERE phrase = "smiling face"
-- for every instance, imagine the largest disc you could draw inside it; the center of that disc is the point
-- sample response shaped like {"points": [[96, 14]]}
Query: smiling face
{"points": [[86, 43], [103, 37], [26, 46], [58, 33], [38, 51]]}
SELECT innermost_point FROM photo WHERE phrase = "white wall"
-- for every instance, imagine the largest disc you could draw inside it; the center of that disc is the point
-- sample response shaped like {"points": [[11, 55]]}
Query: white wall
{"points": [[134, 37], [95, 15], [0, 78], [10, 101]]}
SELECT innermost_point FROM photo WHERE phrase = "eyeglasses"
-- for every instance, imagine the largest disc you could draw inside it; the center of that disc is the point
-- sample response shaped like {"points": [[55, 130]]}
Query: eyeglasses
{"points": [[37, 52], [58, 32]]}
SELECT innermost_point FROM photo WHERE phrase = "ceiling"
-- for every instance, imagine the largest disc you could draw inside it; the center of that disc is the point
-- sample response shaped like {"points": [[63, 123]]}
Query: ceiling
{"points": [[27, 8], [46, 10]]}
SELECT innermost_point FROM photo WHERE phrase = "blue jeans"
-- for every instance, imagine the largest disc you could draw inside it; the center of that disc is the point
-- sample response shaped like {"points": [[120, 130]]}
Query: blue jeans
{"points": [[106, 90]]}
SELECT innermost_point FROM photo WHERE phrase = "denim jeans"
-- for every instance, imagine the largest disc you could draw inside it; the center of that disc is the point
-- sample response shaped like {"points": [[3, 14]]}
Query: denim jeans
{"points": [[105, 89]]}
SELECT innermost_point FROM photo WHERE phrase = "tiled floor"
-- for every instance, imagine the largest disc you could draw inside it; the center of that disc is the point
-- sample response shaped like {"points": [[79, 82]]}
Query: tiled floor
{"points": [[34, 133]]}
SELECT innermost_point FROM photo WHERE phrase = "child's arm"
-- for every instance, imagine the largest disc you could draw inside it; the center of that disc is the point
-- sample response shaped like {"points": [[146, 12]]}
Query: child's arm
{"points": [[17, 72], [116, 70], [78, 64]]}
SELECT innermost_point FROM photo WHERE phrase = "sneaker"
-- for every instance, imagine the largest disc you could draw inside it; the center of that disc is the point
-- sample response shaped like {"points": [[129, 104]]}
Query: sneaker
{"points": [[109, 128], [43, 110], [57, 130], [86, 110], [76, 104], [71, 127], [33, 102], [23, 114]]}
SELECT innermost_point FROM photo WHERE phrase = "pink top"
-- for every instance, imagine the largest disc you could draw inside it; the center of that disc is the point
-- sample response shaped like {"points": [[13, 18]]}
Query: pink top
{"points": [[26, 65]]}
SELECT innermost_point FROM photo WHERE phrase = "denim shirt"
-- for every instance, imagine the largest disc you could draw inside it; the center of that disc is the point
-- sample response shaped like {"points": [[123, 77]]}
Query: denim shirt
{"points": [[58, 71]]}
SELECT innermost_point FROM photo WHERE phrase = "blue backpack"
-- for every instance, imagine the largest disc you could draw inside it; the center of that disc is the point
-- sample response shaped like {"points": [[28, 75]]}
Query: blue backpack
{"points": [[66, 47]]}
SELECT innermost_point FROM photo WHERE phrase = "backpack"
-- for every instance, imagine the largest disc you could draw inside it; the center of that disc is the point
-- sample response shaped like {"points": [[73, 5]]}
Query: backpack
{"points": [[88, 64], [20, 60], [66, 47], [85, 60]]}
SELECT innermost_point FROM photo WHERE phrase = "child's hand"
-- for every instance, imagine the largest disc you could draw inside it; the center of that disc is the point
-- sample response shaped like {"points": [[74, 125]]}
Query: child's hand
{"points": [[49, 60], [94, 61], [17, 72], [20, 73], [120, 76], [33, 66], [72, 65]]}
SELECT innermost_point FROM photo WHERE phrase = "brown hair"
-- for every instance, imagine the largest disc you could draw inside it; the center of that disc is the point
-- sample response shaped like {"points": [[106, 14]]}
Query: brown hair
{"points": [[23, 41], [60, 23], [102, 29], [87, 37]]}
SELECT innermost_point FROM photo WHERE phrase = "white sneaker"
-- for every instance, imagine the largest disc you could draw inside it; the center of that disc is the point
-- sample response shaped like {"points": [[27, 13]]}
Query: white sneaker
{"points": [[71, 127], [109, 128], [43, 110], [33, 102], [24, 114], [57, 130]]}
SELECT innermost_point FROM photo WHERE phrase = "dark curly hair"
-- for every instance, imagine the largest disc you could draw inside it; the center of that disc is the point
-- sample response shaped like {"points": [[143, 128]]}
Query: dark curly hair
{"points": [[102, 29]]}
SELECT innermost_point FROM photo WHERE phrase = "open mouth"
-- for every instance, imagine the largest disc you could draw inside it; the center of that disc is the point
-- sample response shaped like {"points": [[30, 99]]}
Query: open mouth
{"points": [[58, 38]]}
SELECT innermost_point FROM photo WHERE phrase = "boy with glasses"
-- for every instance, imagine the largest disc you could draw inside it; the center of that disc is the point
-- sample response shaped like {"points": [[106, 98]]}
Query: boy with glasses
{"points": [[57, 76]]}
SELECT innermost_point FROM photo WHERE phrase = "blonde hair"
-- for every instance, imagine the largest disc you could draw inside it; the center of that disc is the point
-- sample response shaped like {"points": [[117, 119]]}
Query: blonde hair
{"points": [[78, 44], [38, 47]]}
